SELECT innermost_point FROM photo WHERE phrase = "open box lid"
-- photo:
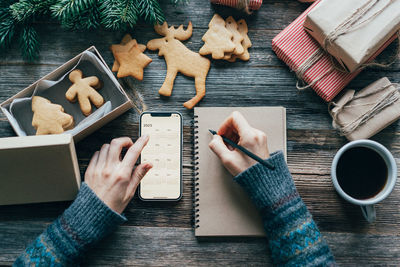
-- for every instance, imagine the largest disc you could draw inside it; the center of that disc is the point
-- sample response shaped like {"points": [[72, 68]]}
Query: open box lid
{"points": [[38, 169]]}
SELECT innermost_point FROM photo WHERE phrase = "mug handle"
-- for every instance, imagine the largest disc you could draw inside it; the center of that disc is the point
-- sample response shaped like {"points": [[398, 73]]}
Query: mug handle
{"points": [[369, 213]]}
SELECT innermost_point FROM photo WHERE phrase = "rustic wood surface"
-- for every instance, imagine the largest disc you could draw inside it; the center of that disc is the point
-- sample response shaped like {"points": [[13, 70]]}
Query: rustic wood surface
{"points": [[161, 233]]}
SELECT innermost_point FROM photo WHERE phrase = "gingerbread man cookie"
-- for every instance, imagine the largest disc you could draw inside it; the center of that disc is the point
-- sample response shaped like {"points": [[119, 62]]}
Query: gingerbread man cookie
{"points": [[180, 59], [49, 118], [84, 90], [126, 44], [217, 39]]}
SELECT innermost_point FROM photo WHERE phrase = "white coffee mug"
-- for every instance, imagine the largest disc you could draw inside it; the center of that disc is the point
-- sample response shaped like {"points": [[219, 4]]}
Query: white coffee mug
{"points": [[366, 205]]}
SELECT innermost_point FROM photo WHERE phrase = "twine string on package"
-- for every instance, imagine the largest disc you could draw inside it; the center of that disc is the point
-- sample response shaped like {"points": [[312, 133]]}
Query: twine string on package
{"points": [[245, 5], [306, 65], [354, 22], [376, 107]]}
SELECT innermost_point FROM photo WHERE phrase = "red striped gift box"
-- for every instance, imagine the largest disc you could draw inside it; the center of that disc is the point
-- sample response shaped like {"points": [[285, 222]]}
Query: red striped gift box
{"points": [[252, 4], [294, 46]]}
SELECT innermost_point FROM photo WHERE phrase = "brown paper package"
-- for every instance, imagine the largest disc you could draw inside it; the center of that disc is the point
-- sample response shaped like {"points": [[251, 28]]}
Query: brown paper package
{"points": [[358, 44], [352, 106]]}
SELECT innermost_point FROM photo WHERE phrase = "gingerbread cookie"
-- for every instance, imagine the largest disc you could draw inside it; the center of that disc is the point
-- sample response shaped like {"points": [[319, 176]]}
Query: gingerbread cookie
{"points": [[84, 89], [126, 44], [217, 39], [232, 26], [49, 118], [131, 62], [180, 59], [246, 43]]}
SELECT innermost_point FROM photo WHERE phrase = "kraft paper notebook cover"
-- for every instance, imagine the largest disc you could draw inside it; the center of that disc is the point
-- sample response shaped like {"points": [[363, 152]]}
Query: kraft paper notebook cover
{"points": [[222, 208]]}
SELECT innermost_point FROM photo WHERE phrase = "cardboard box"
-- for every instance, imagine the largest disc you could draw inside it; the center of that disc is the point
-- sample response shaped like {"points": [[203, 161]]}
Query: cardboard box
{"points": [[115, 97], [359, 43], [38, 169]]}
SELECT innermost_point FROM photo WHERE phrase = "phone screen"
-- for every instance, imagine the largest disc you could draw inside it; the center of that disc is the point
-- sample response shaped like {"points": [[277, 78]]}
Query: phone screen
{"points": [[163, 181]]}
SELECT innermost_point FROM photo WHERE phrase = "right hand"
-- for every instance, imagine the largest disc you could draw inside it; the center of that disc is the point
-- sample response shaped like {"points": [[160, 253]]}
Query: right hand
{"points": [[113, 179], [237, 129]]}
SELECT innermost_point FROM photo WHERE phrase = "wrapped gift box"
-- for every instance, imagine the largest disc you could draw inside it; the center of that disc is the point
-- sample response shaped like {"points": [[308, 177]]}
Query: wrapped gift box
{"points": [[38, 169], [252, 4], [53, 87], [370, 31], [360, 115], [294, 46]]}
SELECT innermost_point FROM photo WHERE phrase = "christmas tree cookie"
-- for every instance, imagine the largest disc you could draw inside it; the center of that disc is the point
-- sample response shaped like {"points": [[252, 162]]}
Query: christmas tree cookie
{"points": [[217, 39], [49, 118]]}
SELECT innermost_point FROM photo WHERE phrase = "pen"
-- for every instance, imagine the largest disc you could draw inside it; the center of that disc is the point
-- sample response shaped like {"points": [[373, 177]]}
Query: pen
{"points": [[245, 151]]}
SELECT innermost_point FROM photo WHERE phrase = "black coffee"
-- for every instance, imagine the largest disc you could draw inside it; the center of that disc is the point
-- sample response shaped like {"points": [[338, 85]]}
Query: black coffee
{"points": [[361, 172]]}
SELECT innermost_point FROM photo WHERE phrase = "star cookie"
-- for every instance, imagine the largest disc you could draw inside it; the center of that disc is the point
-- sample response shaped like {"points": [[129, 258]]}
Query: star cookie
{"points": [[132, 62], [126, 44]]}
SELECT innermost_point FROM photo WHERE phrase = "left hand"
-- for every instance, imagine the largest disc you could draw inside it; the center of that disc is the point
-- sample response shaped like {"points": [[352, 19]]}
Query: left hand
{"points": [[113, 179]]}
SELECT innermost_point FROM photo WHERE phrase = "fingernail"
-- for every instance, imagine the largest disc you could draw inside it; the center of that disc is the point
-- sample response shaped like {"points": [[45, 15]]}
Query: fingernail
{"points": [[148, 166], [145, 136]]}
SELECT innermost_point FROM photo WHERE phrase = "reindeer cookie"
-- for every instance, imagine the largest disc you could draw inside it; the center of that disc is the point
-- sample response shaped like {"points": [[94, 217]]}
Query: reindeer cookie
{"points": [[180, 59], [84, 90], [217, 39], [126, 44], [49, 118]]}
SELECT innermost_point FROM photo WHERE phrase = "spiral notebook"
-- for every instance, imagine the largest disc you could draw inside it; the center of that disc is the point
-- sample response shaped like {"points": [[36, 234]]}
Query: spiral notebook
{"points": [[222, 208]]}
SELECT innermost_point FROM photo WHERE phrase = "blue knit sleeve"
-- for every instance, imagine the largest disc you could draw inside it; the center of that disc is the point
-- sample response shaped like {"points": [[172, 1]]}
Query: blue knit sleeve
{"points": [[294, 238], [63, 243]]}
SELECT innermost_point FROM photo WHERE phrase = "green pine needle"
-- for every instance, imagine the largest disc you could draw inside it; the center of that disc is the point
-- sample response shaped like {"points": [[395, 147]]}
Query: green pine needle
{"points": [[28, 9], [65, 9], [117, 14], [7, 30], [88, 19], [151, 11], [29, 43], [7, 25]]}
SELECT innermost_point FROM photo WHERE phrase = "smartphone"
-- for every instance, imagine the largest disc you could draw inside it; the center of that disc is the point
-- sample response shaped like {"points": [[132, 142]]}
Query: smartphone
{"points": [[164, 151]]}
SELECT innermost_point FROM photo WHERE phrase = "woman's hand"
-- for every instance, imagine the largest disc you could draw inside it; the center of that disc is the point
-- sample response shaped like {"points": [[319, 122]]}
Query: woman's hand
{"points": [[236, 128], [113, 179]]}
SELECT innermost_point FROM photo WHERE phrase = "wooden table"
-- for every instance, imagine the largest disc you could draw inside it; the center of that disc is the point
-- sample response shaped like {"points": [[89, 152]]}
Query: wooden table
{"points": [[162, 233]]}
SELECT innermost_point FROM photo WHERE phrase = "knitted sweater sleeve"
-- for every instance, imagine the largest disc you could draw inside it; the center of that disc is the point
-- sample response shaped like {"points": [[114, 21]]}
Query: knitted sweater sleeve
{"points": [[294, 238], [63, 243]]}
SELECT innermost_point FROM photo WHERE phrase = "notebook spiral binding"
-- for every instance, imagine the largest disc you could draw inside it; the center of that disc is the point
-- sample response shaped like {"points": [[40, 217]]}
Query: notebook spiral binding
{"points": [[195, 162]]}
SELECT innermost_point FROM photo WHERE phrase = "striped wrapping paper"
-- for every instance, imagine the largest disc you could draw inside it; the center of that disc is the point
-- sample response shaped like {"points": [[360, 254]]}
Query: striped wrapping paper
{"points": [[252, 4], [293, 45]]}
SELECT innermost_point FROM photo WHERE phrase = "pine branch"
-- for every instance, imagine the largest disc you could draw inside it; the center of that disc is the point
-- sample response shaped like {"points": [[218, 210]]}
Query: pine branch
{"points": [[7, 25], [151, 11], [64, 9], [29, 43], [17, 17], [117, 14], [88, 19], [77, 14], [25, 10]]}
